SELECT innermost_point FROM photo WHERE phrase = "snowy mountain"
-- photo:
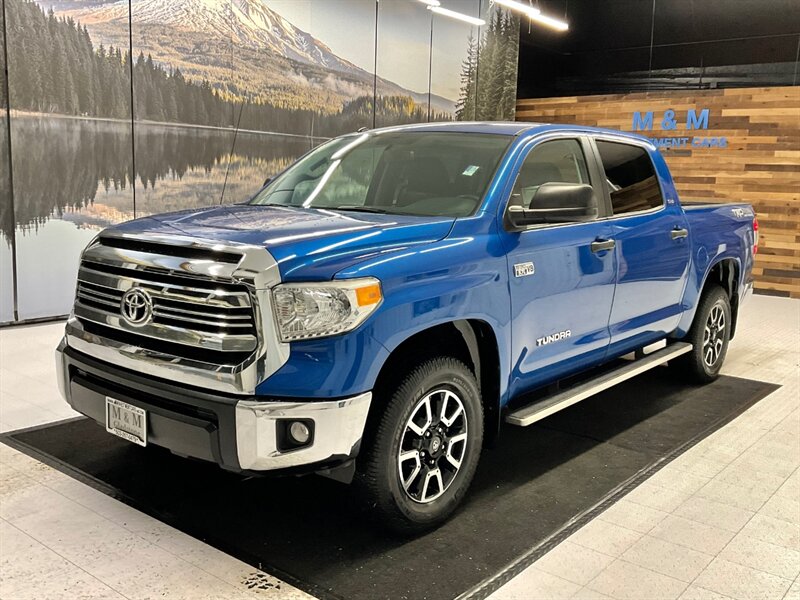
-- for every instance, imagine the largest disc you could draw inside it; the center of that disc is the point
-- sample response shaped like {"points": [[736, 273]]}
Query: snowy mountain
{"points": [[248, 23], [271, 57]]}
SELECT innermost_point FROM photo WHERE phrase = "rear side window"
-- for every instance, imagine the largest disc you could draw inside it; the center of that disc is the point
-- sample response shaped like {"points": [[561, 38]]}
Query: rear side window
{"points": [[631, 177]]}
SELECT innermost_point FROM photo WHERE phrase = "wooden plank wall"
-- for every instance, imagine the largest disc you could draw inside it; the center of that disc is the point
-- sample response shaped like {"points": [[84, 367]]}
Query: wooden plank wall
{"points": [[760, 165]]}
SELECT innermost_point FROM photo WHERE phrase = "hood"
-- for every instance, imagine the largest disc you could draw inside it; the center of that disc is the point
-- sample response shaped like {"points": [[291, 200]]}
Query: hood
{"points": [[308, 243]]}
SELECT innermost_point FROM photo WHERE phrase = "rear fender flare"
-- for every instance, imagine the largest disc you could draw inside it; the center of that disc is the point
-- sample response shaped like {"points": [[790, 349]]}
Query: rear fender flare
{"points": [[731, 283]]}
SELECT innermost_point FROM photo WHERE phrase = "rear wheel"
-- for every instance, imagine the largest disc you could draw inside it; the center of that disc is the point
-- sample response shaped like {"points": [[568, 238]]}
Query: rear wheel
{"points": [[709, 336], [417, 466]]}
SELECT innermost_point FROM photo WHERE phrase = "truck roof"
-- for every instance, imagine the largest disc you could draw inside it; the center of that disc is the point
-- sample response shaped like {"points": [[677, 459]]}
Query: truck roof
{"points": [[511, 128]]}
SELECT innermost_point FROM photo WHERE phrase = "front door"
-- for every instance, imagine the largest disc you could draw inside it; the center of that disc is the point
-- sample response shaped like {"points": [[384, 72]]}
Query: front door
{"points": [[561, 276]]}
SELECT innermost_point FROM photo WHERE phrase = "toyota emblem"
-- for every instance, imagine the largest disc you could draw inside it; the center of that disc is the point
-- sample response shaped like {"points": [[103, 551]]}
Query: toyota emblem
{"points": [[136, 307]]}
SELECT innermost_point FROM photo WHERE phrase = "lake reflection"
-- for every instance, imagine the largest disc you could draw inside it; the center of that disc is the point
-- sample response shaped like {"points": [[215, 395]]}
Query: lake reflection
{"points": [[6, 290], [72, 178]]}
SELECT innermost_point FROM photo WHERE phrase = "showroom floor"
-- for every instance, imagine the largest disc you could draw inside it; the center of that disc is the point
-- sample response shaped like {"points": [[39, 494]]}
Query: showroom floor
{"points": [[721, 521]]}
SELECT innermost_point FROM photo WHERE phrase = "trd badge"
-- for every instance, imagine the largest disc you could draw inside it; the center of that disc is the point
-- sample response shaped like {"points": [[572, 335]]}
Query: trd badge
{"points": [[524, 269]]}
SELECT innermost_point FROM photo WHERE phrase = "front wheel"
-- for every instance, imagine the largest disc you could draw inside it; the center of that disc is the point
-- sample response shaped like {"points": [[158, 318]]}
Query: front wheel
{"points": [[709, 336], [420, 461]]}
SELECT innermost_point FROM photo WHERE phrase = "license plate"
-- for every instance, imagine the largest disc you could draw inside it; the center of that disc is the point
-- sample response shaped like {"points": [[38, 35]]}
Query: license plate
{"points": [[126, 421]]}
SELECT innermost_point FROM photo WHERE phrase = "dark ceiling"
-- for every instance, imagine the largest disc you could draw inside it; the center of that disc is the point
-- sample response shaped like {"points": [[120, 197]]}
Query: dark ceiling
{"points": [[695, 43]]}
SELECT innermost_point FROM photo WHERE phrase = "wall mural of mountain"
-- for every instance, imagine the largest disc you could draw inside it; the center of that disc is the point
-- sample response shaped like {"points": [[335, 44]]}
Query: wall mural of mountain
{"points": [[289, 73], [242, 47]]}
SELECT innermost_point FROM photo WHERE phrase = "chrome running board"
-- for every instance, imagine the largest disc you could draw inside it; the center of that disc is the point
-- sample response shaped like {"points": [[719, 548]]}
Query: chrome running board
{"points": [[527, 415]]}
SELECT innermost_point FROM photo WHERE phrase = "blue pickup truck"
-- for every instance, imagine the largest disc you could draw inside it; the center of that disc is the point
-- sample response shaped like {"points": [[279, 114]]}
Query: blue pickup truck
{"points": [[377, 310]]}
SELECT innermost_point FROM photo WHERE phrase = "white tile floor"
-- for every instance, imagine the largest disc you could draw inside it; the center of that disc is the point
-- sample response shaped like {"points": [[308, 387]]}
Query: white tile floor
{"points": [[60, 538], [721, 521]]}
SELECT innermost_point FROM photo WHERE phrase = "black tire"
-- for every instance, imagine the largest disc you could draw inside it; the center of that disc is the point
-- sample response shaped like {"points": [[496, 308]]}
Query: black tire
{"points": [[703, 363], [379, 470]]}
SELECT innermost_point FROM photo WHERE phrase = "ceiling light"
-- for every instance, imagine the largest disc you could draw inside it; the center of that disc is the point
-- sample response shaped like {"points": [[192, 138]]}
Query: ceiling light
{"points": [[527, 9], [556, 24], [431, 2], [456, 15], [534, 14]]}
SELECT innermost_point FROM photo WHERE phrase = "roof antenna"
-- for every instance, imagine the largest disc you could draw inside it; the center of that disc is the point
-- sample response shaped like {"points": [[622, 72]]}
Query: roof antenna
{"points": [[233, 146]]}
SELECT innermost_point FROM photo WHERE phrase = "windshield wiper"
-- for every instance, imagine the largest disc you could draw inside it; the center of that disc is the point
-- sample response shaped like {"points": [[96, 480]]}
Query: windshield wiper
{"points": [[368, 209]]}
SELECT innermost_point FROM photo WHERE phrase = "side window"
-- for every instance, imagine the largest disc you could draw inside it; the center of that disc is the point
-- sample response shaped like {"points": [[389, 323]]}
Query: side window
{"points": [[631, 177], [558, 161]]}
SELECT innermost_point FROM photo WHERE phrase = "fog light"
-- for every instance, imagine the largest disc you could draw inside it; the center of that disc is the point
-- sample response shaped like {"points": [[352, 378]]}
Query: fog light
{"points": [[300, 432]]}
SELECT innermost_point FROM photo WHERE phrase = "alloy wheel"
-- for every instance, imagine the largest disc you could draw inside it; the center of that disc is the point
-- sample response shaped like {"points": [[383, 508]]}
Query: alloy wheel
{"points": [[714, 335], [432, 446]]}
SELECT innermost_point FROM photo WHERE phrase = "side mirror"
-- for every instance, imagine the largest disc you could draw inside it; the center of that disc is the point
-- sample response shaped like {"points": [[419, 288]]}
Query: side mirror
{"points": [[556, 203], [266, 181]]}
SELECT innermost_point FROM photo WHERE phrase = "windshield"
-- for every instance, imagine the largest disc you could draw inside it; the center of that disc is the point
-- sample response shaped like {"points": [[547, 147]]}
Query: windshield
{"points": [[414, 173]]}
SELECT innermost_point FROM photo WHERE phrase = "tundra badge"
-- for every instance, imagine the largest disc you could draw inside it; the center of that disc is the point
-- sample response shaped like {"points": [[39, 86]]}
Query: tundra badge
{"points": [[553, 337], [523, 269]]}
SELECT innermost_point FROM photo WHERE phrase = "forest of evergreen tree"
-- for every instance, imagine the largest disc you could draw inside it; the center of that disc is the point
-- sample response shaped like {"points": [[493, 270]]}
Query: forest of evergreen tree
{"points": [[489, 72]]}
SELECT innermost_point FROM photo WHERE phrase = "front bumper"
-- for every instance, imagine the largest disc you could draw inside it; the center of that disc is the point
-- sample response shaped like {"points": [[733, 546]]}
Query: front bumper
{"points": [[240, 433]]}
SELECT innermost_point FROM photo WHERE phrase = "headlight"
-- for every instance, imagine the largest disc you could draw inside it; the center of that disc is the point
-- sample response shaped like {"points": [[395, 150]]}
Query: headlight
{"points": [[313, 310]]}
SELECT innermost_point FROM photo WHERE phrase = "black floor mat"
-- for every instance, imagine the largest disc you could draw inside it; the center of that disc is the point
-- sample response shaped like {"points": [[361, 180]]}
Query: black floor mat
{"points": [[309, 532]]}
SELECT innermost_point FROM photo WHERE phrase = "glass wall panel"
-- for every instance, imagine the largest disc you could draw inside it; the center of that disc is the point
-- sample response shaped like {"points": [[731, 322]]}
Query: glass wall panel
{"points": [[184, 102], [454, 63], [6, 207], [273, 81], [277, 91], [497, 64], [404, 43], [347, 29], [685, 22], [713, 44], [70, 141], [695, 45]]}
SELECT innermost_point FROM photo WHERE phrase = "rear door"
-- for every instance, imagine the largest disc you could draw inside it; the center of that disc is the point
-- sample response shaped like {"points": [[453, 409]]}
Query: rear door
{"points": [[652, 245], [561, 275]]}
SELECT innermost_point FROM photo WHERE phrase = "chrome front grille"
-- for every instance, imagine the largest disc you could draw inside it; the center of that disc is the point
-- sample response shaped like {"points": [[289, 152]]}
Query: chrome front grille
{"points": [[178, 302], [208, 317], [212, 317]]}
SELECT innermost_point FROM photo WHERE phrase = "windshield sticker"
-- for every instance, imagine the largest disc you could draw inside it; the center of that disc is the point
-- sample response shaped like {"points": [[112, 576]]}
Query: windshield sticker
{"points": [[471, 170]]}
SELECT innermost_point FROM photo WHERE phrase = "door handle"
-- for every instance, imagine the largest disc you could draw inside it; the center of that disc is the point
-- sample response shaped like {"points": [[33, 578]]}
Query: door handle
{"points": [[679, 233], [601, 245]]}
